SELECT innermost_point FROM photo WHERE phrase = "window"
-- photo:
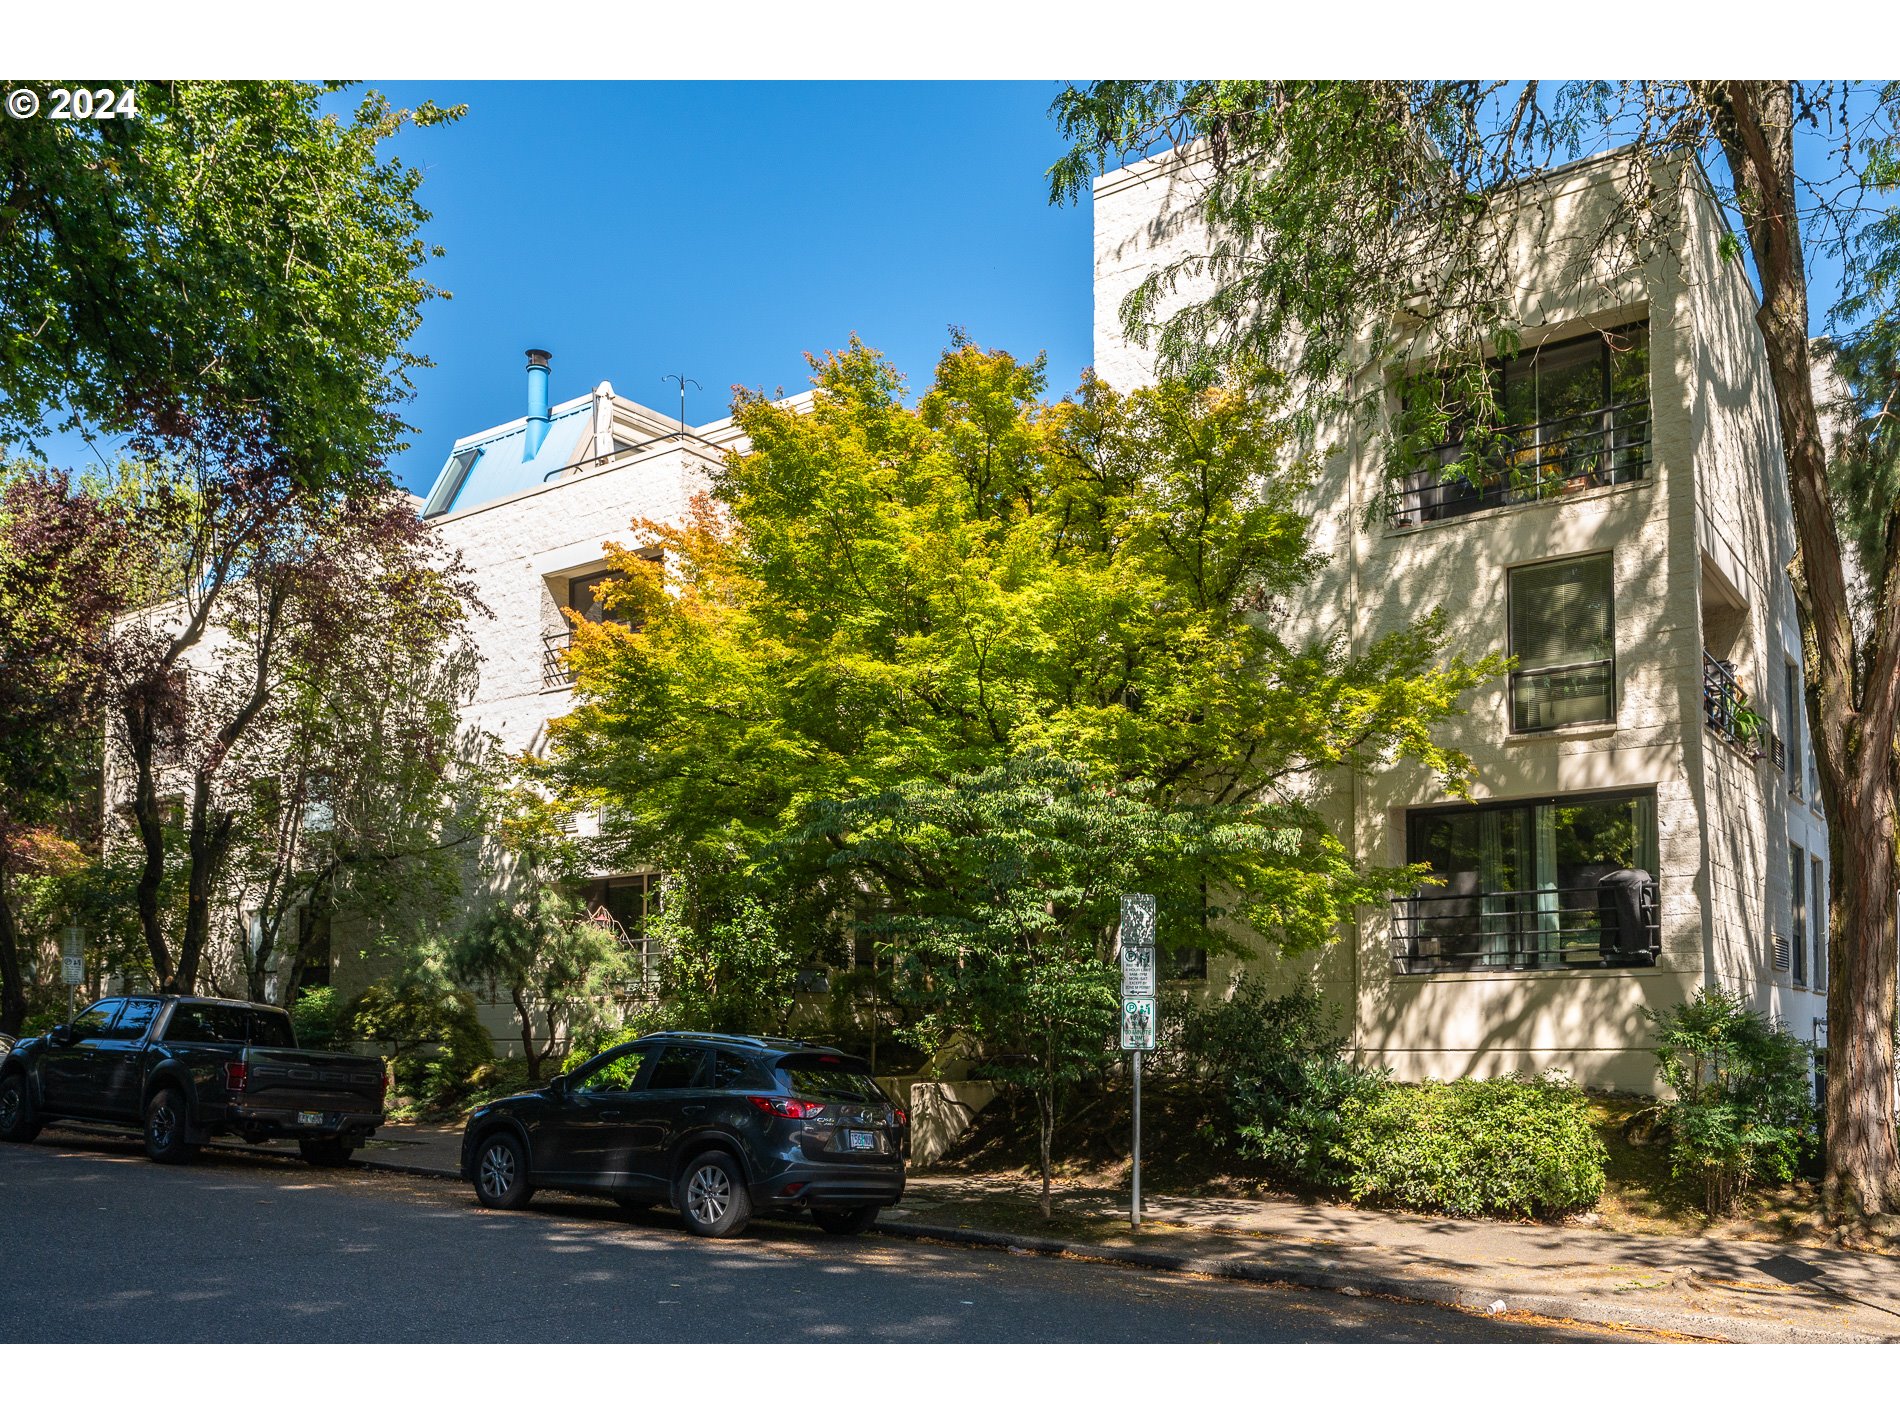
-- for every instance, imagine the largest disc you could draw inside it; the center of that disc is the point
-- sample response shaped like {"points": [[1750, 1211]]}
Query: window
{"points": [[1798, 914], [93, 1023], [449, 483], [1567, 416], [735, 1071], [133, 1020], [587, 595], [624, 905], [679, 1066], [1557, 883], [228, 1024], [1791, 701], [1563, 635], [831, 1085], [614, 1072], [1817, 916]]}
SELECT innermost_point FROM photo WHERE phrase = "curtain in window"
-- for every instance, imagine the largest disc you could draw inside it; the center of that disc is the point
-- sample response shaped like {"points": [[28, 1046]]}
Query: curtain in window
{"points": [[1564, 638]]}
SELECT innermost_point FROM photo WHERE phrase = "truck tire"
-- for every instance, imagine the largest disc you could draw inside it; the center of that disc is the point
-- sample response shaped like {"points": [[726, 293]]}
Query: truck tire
{"points": [[325, 1152], [844, 1221], [165, 1120], [501, 1172], [713, 1196], [18, 1122]]}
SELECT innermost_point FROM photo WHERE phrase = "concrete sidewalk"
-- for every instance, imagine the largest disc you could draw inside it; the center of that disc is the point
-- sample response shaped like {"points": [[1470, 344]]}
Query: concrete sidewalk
{"points": [[1706, 1287]]}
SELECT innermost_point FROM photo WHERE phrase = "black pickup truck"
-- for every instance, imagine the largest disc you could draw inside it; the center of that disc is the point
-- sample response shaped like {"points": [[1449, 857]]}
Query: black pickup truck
{"points": [[187, 1069]]}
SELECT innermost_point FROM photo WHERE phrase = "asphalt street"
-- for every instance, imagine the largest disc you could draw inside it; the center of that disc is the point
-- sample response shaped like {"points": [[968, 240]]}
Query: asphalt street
{"points": [[97, 1244]]}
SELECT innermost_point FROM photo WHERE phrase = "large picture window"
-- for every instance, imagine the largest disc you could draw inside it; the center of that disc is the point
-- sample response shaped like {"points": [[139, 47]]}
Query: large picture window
{"points": [[1564, 416], [1563, 635], [1557, 883]]}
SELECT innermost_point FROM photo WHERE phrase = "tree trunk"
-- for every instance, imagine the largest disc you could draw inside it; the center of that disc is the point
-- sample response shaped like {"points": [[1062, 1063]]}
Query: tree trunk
{"points": [[526, 1015], [1863, 1159], [1045, 1133], [12, 981], [1853, 719]]}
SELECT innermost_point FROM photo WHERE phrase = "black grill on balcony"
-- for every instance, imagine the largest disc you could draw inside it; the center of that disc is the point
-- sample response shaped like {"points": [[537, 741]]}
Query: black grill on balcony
{"points": [[1578, 927], [554, 670], [1520, 464]]}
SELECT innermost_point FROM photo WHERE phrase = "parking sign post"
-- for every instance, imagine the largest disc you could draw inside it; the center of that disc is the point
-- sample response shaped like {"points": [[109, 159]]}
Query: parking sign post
{"points": [[72, 965], [1135, 939]]}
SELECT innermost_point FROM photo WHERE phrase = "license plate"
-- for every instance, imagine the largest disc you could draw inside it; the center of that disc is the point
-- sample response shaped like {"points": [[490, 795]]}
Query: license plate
{"points": [[859, 1140], [309, 1120]]}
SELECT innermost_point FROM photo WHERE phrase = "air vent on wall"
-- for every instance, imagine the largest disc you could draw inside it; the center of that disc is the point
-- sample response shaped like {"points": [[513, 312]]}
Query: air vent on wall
{"points": [[1782, 958]]}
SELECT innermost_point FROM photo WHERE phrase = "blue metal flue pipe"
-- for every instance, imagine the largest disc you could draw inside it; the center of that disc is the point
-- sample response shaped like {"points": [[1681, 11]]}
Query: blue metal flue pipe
{"points": [[537, 403]]}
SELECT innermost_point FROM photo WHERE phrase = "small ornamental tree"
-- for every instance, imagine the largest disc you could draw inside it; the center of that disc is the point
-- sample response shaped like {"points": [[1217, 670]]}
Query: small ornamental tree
{"points": [[554, 965], [1005, 887]]}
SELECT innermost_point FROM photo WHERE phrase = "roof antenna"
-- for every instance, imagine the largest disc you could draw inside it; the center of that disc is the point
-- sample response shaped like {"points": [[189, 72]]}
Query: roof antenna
{"points": [[684, 382]]}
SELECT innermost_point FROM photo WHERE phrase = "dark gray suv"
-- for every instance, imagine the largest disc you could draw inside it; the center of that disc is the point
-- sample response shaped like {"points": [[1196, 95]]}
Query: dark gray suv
{"points": [[720, 1126]]}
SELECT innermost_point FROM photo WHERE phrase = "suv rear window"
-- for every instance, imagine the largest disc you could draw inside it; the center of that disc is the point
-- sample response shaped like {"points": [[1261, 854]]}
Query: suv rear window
{"points": [[228, 1024], [827, 1085]]}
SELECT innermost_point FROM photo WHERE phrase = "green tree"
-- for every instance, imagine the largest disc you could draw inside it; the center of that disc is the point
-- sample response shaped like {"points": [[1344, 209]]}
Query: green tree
{"points": [[1005, 886], [883, 595], [230, 271], [1346, 219], [555, 965], [210, 691], [61, 552]]}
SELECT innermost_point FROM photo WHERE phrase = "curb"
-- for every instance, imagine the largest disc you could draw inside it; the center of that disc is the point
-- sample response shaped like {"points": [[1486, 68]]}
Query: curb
{"points": [[1700, 1325]]}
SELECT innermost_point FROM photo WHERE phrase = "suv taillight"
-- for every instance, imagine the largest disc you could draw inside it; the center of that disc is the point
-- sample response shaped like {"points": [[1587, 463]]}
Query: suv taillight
{"points": [[237, 1077], [786, 1107]]}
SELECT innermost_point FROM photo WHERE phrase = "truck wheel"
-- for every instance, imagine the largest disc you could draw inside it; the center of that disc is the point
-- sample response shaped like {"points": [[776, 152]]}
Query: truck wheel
{"points": [[165, 1129], [844, 1221], [713, 1197], [325, 1152], [18, 1122], [501, 1173]]}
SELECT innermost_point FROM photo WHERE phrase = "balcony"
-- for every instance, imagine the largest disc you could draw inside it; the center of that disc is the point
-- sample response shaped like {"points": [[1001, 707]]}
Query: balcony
{"points": [[1569, 928], [1516, 465], [646, 956], [554, 670], [1726, 709]]}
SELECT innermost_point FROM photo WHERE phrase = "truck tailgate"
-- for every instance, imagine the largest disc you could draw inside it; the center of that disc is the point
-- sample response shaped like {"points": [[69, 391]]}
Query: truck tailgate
{"points": [[302, 1079]]}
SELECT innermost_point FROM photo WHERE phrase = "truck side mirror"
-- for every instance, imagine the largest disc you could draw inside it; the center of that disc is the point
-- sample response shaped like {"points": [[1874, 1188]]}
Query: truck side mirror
{"points": [[60, 1036]]}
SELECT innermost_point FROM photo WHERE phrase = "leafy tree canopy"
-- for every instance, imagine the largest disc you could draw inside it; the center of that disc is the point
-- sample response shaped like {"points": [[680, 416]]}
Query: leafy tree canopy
{"points": [[878, 595], [233, 269]]}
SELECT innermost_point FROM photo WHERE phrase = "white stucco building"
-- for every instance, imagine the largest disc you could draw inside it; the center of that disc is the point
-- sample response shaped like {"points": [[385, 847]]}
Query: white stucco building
{"points": [[1640, 581]]}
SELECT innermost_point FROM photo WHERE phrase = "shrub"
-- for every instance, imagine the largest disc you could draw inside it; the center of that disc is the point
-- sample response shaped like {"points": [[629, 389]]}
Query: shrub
{"points": [[1509, 1146], [320, 1019], [427, 1027], [1743, 1109], [1296, 1123]]}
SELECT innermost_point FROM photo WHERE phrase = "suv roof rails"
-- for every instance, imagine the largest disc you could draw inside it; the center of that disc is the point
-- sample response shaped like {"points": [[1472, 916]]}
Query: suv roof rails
{"points": [[751, 1041]]}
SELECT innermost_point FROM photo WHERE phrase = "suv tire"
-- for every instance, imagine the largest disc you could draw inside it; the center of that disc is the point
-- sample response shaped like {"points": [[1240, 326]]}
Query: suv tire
{"points": [[501, 1173], [325, 1152], [844, 1221], [18, 1122], [165, 1119], [713, 1197]]}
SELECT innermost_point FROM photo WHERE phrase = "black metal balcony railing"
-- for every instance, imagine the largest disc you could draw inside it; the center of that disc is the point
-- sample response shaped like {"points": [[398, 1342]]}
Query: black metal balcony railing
{"points": [[646, 956], [1577, 927], [1520, 464], [1726, 709], [554, 670]]}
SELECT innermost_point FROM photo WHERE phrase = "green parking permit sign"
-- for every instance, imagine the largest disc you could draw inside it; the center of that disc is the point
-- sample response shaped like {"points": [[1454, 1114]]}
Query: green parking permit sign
{"points": [[1138, 1022]]}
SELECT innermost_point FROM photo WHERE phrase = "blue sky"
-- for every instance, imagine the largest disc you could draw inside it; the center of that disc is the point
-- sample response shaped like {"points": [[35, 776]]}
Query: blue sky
{"points": [[724, 229]]}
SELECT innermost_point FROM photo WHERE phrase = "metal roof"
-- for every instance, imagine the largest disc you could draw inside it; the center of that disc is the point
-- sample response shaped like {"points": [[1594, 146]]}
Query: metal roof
{"points": [[499, 469]]}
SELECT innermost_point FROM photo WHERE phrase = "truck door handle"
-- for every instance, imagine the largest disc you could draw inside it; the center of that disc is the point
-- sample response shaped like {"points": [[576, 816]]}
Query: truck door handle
{"points": [[611, 1115]]}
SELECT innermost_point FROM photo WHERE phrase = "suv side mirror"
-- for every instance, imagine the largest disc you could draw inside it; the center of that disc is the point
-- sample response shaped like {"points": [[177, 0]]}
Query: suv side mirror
{"points": [[558, 1085], [60, 1036]]}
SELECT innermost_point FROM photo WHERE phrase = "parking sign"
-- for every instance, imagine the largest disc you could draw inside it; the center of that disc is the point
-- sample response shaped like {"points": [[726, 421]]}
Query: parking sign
{"points": [[1138, 1022]]}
